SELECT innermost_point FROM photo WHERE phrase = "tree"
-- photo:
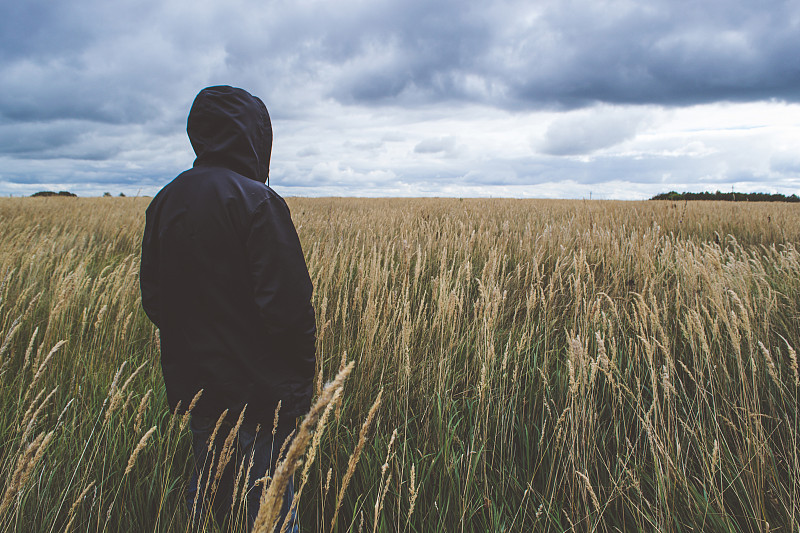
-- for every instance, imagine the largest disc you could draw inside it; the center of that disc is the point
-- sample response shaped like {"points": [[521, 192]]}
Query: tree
{"points": [[51, 193]]}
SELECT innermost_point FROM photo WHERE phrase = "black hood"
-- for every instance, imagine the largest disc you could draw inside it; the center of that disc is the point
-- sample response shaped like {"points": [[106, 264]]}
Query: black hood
{"points": [[229, 127]]}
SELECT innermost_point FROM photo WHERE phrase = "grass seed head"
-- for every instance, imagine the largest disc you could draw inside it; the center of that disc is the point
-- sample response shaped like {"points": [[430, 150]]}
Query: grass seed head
{"points": [[272, 498], [138, 449]]}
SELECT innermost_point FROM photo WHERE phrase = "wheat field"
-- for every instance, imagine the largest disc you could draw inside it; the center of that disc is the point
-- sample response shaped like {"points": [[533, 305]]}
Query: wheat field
{"points": [[503, 365]]}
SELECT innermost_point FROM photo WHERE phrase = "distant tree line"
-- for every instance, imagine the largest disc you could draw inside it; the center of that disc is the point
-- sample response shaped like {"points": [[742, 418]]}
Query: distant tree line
{"points": [[727, 196], [51, 193], [67, 193]]}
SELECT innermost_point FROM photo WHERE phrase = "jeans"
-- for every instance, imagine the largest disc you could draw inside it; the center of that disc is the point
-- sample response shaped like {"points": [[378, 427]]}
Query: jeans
{"points": [[249, 446]]}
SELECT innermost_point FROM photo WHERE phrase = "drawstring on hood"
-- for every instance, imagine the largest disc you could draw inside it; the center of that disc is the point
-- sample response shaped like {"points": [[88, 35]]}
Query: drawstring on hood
{"points": [[228, 127]]}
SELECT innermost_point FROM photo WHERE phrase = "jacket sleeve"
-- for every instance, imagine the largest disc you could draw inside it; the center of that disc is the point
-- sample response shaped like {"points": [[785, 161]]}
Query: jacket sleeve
{"points": [[149, 274], [282, 286]]}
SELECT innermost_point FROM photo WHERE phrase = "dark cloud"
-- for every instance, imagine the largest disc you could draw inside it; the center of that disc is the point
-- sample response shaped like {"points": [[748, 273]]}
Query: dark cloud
{"points": [[32, 139], [563, 54], [671, 53], [32, 28], [128, 62]]}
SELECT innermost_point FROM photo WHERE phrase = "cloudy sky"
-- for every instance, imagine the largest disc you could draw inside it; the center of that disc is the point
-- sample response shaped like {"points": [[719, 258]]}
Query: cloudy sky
{"points": [[551, 98]]}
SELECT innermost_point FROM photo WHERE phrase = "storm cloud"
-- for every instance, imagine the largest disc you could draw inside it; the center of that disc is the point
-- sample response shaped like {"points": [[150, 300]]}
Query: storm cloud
{"points": [[413, 97]]}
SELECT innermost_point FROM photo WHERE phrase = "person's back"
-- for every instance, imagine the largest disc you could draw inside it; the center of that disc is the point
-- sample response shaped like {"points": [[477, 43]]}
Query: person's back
{"points": [[223, 275]]}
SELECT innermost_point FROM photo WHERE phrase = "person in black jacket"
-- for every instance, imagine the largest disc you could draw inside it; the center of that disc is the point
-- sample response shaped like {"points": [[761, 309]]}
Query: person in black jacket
{"points": [[224, 279]]}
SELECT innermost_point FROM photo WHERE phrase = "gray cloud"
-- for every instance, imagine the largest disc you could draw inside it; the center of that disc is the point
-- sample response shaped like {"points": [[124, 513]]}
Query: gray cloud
{"points": [[566, 54], [436, 145], [368, 146], [785, 162], [97, 92], [585, 132], [129, 62], [308, 151]]}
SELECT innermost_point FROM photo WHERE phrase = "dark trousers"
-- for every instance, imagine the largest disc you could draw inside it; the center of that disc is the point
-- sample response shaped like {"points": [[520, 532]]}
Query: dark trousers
{"points": [[260, 449]]}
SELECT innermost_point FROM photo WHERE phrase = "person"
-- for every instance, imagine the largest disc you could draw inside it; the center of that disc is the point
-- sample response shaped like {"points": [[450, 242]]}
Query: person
{"points": [[224, 279]]}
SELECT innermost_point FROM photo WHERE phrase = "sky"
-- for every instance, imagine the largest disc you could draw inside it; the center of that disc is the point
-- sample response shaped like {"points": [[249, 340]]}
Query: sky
{"points": [[494, 98]]}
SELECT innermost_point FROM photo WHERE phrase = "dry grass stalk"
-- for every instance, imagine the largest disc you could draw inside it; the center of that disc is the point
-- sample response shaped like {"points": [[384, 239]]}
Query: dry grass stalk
{"points": [[138, 449], [276, 418], [328, 481], [33, 417], [113, 388], [188, 413], [557, 429], [384, 483], [202, 480], [287, 441], [9, 336], [131, 377], [351, 465], [26, 462], [272, 497], [213, 437], [318, 387], [125, 326], [243, 488], [792, 361], [342, 364], [34, 403], [40, 451], [72, 510], [312, 450], [380, 499], [116, 400], [589, 489], [137, 425], [714, 456], [771, 370], [127, 402], [388, 452], [227, 450], [100, 315], [118, 394], [666, 384], [483, 385], [413, 492], [40, 370], [63, 413], [28, 352]]}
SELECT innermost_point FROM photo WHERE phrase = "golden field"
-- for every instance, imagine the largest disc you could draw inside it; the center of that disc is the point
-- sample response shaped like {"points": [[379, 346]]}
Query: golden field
{"points": [[519, 365]]}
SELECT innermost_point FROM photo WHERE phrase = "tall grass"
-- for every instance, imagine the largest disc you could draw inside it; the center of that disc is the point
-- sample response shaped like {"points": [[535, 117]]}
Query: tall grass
{"points": [[519, 365]]}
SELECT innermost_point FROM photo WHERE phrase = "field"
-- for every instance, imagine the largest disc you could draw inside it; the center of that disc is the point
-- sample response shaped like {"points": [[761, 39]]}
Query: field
{"points": [[518, 366]]}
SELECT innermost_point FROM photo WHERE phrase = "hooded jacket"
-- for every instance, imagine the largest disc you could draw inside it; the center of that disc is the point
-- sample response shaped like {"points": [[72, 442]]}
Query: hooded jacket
{"points": [[223, 275]]}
